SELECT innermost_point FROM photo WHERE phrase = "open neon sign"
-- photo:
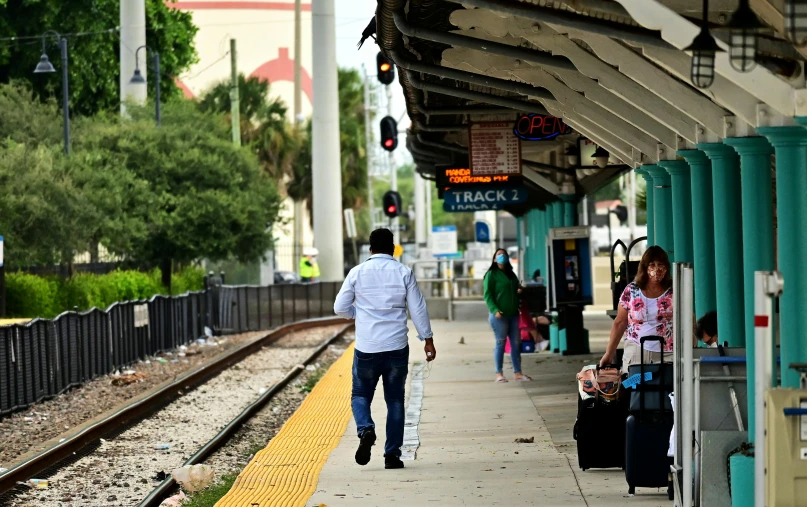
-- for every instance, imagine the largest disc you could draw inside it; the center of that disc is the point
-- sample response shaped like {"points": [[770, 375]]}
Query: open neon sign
{"points": [[539, 127]]}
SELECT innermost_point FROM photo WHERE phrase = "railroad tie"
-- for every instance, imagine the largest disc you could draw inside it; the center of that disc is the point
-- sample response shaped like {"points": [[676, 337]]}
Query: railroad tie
{"points": [[286, 471]]}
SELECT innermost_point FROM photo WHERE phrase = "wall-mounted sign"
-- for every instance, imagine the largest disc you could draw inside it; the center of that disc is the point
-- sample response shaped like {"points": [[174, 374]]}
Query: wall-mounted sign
{"points": [[444, 240], [493, 150], [586, 149], [483, 198], [456, 177], [482, 232], [539, 127]]}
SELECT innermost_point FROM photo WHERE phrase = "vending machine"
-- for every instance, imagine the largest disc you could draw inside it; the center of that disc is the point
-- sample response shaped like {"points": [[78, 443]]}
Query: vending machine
{"points": [[571, 285]]}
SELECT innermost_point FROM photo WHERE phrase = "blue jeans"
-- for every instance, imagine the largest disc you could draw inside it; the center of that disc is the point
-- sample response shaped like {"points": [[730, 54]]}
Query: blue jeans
{"points": [[392, 367], [502, 328]]}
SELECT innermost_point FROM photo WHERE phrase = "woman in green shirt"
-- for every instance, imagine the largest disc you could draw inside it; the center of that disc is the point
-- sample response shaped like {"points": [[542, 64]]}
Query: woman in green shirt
{"points": [[501, 296]]}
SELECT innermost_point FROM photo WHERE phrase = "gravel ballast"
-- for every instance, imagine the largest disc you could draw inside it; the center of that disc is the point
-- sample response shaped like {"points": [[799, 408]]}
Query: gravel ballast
{"points": [[124, 470]]}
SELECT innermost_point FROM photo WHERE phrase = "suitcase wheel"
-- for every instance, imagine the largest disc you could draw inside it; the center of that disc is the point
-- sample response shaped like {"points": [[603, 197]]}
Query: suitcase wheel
{"points": [[631, 490]]}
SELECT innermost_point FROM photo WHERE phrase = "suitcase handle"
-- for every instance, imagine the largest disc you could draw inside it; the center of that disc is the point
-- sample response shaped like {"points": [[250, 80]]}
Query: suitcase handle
{"points": [[661, 341]]}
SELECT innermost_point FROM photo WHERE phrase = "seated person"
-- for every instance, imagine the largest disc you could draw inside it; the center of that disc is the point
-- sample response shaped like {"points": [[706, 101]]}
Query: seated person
{"points": [[706, 329], [529, 332]]}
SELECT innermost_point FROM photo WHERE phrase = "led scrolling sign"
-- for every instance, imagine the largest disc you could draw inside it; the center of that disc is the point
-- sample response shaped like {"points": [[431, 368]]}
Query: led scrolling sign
{"points": [[539, 127]]}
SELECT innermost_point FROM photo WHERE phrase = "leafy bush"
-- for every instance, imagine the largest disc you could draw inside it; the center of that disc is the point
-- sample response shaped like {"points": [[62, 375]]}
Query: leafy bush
{"points": [[33, 296]]}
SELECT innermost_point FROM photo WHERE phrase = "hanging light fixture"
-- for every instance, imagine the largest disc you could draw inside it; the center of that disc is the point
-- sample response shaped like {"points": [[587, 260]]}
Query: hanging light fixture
{"points": [[703, 49], [744, 27], [796, 21], [601, 157], [571, 156]]}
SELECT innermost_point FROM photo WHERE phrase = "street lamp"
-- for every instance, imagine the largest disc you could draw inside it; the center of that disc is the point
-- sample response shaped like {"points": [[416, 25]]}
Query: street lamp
{"points": [[44, 67], [138, 79]]}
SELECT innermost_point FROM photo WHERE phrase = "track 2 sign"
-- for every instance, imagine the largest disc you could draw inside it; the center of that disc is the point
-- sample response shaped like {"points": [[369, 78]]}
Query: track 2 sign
{"points": [[483, 198], [539, 127]]}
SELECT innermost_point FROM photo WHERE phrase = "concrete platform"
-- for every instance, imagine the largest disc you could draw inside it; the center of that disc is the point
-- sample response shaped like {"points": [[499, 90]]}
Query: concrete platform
{"points": [[468, 426]]}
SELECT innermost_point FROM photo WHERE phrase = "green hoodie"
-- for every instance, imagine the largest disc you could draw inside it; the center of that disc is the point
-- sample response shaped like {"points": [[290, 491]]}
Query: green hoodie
{"points": [[501, 293]]}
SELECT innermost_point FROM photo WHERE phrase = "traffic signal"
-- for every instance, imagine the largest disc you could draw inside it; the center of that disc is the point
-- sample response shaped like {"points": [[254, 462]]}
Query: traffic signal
{"points": [[392, 203], [621, 213], [389, 133], [385, 69]]}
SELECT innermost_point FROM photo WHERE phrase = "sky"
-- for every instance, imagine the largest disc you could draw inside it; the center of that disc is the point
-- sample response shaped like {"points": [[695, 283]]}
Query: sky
{"points": [[352, 17]]}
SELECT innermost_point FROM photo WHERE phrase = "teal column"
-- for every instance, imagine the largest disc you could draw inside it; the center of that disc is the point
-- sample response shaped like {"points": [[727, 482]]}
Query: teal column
{"points": [[728, 241], [662, 209], [681, 208], [536, 230], [569, 210], [651, 237], [557, 214], [790, 144], [757, 189], [703, 231]]}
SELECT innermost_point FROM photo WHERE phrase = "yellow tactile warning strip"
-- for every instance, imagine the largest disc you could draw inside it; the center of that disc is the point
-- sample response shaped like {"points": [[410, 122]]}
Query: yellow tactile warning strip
{"points": [[285, 473]]}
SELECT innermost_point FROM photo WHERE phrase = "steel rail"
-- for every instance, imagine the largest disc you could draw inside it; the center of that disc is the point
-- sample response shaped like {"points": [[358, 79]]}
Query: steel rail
{"points": [[148, 405], [160, 492]]}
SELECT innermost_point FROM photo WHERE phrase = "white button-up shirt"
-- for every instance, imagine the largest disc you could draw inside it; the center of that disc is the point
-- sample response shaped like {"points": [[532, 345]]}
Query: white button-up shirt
{"points": [[377, 293]]}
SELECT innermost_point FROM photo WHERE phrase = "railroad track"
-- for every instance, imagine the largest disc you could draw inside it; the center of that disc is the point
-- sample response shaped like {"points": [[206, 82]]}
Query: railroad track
{"points": [[66, 452]]}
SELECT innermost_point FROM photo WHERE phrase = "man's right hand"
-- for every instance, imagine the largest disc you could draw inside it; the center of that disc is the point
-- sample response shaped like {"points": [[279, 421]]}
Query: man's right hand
{"points": [[498, 315], [607, 358], [431, 353]]}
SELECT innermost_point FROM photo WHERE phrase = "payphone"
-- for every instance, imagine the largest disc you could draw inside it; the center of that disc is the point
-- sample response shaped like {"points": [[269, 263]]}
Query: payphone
{"points": [[571, 285]]}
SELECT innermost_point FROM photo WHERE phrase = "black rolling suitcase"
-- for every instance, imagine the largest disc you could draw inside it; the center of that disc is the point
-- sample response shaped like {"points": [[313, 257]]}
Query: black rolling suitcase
{"points": [[600, 432], [647, 433]]}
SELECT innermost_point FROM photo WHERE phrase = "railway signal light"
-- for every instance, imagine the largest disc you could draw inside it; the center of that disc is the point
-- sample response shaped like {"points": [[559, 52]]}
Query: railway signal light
{"points": [[392, 204], [385, 69], [389, 133]]}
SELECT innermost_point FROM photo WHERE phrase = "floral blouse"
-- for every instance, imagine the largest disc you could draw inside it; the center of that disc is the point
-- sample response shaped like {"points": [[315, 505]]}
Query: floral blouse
{"points": [[648, 317]]}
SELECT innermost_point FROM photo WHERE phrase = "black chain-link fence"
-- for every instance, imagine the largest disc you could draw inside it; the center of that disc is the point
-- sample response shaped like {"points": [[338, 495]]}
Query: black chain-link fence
{"points": [[44, 358]]}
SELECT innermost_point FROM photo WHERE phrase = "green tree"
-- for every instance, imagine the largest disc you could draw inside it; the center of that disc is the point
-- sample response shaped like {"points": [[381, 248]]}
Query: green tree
{"points": [[93, 58], [263, 121], [42, 215], [204, 197]]}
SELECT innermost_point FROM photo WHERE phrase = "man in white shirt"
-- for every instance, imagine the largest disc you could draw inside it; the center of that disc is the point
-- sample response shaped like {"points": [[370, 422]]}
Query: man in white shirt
{"points": [[377, 293]]}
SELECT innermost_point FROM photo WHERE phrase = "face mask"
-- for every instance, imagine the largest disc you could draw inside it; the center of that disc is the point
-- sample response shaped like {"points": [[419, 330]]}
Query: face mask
{"points": [[501, 259], [657, 275]]}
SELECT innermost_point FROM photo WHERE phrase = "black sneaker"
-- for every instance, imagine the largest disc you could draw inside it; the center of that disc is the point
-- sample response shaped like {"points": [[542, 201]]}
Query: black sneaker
{"points": [[392, 462], [366, 442]]}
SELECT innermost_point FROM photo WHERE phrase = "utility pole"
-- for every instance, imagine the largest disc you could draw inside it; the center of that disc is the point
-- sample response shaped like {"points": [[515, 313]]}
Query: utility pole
{"points": [[299, 209], [235, 99], [370, 146], [327, 174], [132, 36], [420, 211], [393, 178]]}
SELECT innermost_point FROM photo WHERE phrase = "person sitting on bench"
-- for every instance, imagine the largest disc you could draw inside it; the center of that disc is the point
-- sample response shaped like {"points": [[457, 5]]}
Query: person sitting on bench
{"points": [[706, 329]]}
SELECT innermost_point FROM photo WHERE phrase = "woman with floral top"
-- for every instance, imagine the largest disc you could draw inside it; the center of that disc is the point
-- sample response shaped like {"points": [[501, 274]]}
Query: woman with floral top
{"points": [[645, 309]]}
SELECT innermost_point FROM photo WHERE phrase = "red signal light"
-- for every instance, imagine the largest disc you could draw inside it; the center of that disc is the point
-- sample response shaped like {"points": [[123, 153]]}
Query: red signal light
{"points": [[391, 209], [385, 67], [388, 143]]}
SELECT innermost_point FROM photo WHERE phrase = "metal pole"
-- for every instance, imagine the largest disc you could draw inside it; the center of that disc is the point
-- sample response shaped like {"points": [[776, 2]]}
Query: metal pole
{"points": [[65, 96], [632, 207], [767, 284], [420, 210], [235, 101], [132, 36], [327, 176], [393, 171], [369, 148], [298, 58], [585, 214], [299, 208], [687, 390], [429, 190], [157, 105]]}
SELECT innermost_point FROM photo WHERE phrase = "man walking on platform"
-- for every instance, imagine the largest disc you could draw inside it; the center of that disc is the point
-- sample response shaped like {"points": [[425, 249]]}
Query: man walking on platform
{"points": [[377, 293]]}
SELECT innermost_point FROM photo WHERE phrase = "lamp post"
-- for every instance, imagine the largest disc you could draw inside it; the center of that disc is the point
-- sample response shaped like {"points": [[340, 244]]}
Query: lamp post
{"points": [[138, 79], [45, 67]]}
